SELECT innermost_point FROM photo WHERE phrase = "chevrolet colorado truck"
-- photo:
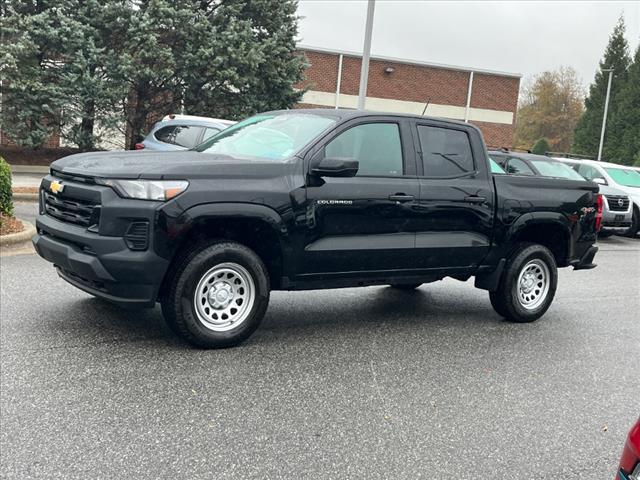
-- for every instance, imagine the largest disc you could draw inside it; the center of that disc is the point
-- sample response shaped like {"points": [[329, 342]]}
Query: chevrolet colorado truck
{"points": [[309, 199]]}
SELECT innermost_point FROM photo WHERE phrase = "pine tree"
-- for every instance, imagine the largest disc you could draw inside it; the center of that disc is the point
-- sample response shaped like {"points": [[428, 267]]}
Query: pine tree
{"points": [[32, 98], [240, 58], [616, 56], [623, 144], [54, 60]]}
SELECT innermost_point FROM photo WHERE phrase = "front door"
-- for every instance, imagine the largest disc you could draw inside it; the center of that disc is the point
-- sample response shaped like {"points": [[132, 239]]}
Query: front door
{"points": [[364, 223], [456, 197]]}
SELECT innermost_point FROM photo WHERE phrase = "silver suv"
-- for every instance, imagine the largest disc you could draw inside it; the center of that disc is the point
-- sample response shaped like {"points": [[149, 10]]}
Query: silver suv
{"points": [[621, 202], [181, 132]]}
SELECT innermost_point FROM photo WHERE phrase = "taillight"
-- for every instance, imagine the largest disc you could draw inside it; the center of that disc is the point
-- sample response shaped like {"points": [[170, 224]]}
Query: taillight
{"points": [[599, 212], [139, 146]]}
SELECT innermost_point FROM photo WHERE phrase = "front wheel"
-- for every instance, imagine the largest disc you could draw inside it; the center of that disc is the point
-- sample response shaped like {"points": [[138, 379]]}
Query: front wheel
{"points": [[528, 284], [218, 295], [635, 224]]}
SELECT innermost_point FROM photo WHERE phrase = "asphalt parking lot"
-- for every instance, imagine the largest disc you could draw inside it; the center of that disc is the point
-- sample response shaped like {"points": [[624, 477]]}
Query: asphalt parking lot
{"points": [[351, 383]]}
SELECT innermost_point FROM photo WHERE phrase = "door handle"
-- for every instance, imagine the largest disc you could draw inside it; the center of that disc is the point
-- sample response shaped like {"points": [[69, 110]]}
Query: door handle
{"points": [[401, 197], [474, 199]]}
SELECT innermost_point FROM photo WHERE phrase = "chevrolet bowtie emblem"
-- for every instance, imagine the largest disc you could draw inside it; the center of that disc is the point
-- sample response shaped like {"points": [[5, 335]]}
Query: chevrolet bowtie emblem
{"points": [[56, 186]]}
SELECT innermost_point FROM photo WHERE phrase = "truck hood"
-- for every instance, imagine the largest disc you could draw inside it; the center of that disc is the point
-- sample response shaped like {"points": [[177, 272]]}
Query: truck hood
{"points": [[164, 165]]}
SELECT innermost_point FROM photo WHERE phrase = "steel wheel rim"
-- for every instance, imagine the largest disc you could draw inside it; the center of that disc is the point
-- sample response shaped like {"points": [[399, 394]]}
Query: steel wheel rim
{"points": [[533, 284], [224, 297]]}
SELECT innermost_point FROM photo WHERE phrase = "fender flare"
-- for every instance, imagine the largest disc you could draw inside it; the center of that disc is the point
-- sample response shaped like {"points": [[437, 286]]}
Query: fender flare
{"points": [[542, 218], [190, 218]]}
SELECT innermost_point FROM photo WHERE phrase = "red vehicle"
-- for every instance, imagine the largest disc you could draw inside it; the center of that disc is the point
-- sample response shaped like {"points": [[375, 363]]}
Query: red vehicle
{"points": [[630, 461]]}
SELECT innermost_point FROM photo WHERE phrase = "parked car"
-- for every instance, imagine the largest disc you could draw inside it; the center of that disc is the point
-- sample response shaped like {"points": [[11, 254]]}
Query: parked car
{"points": [[617, 211], [309, 199], [181, 132], [616, 176], [530, 164], [630, 461]]}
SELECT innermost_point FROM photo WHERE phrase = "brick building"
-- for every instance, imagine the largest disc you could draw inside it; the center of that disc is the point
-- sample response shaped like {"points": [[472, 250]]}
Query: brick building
{"points": [[485, 98]]}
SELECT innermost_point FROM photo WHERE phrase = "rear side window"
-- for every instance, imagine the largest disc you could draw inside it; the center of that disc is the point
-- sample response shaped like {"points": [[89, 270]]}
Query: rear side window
{"points": [[518, 167], [588, 172], [376, 146], [445, 152], [187, 135], [165, 134]]}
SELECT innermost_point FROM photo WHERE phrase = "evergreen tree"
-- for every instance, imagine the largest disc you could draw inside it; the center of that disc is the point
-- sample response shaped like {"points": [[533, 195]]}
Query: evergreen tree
{"points": [[32, 98], [623, 144], [144, 59], [75, 65], [616, 56], [53, 61], [240, 58]]}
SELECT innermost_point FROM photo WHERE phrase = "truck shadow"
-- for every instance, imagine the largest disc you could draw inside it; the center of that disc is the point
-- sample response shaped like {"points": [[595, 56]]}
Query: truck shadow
{"points": [[292, 313]]}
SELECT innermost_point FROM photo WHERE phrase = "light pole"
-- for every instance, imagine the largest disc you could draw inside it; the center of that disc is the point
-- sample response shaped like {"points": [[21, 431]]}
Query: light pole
{"points": [[364, 69], [604, 116]]}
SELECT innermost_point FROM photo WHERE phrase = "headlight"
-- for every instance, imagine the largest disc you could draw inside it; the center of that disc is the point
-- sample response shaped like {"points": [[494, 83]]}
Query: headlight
{"points": [[148, 189]]}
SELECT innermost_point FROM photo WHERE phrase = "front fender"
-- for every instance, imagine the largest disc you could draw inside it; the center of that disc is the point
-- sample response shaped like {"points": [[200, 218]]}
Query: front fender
{"points": [[171, 231]]}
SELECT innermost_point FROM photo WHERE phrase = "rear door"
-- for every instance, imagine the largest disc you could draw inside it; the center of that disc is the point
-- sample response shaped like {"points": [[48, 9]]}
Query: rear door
{"points": [[365, 223], [456, 196]]}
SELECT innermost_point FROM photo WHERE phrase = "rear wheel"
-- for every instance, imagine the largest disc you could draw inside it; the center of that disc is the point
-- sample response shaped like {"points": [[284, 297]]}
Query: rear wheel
{"points": [[405, 286], [218, 295], [528, 284]]}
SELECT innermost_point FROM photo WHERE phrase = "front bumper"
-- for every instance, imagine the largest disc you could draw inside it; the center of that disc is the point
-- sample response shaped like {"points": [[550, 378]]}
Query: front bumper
{"points": [[100, 265]]}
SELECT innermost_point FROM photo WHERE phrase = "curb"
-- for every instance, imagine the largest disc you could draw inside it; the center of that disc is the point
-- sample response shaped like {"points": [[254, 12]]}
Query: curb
{"points": [[25, 197], [20, 237], [30, 169]]}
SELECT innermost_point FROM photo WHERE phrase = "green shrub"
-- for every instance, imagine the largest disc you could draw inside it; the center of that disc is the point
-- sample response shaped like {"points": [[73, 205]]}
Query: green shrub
{"points": [[541, 147], [6, 200]]}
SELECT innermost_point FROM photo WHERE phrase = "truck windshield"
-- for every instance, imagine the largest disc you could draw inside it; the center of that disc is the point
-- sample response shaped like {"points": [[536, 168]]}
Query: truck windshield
{"points": [[624, 176], [267, 136], [495, 168], [556, 169]]}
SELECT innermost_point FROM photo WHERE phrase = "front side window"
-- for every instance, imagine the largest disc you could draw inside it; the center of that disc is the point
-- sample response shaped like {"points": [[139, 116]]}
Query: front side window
{"points": [[209, 132], [518, 167], [588, 172], [268, 136], [445, 152], [376, 146]]}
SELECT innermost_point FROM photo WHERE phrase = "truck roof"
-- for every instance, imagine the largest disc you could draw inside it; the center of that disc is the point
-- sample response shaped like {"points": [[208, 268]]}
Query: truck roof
{"points": [[345, 113]]}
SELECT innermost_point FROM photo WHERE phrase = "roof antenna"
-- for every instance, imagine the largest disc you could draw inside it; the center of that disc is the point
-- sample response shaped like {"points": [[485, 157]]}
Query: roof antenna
{"points": [[425, 107]]}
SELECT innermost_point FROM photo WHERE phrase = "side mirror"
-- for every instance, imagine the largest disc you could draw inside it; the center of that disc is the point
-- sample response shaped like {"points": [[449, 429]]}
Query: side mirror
{"points": [[335, 167], [599, 181]]}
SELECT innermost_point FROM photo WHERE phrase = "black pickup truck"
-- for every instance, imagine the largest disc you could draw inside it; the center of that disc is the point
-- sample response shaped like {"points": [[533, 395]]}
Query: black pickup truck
{"points": [[309, 199]]}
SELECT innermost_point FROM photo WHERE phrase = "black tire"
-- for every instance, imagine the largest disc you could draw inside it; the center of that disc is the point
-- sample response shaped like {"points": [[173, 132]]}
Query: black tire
{"points": [[506, 299], [605, 234], [179, 302], [405, 286], [635, 224]]}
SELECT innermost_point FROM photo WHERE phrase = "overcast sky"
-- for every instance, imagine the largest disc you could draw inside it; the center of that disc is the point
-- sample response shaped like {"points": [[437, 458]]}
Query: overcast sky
{"points": [[513, 36]]}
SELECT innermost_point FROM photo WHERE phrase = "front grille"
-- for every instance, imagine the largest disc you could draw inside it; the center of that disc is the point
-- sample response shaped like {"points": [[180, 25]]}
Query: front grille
{"points": [[618, 203], [72, 210]]}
